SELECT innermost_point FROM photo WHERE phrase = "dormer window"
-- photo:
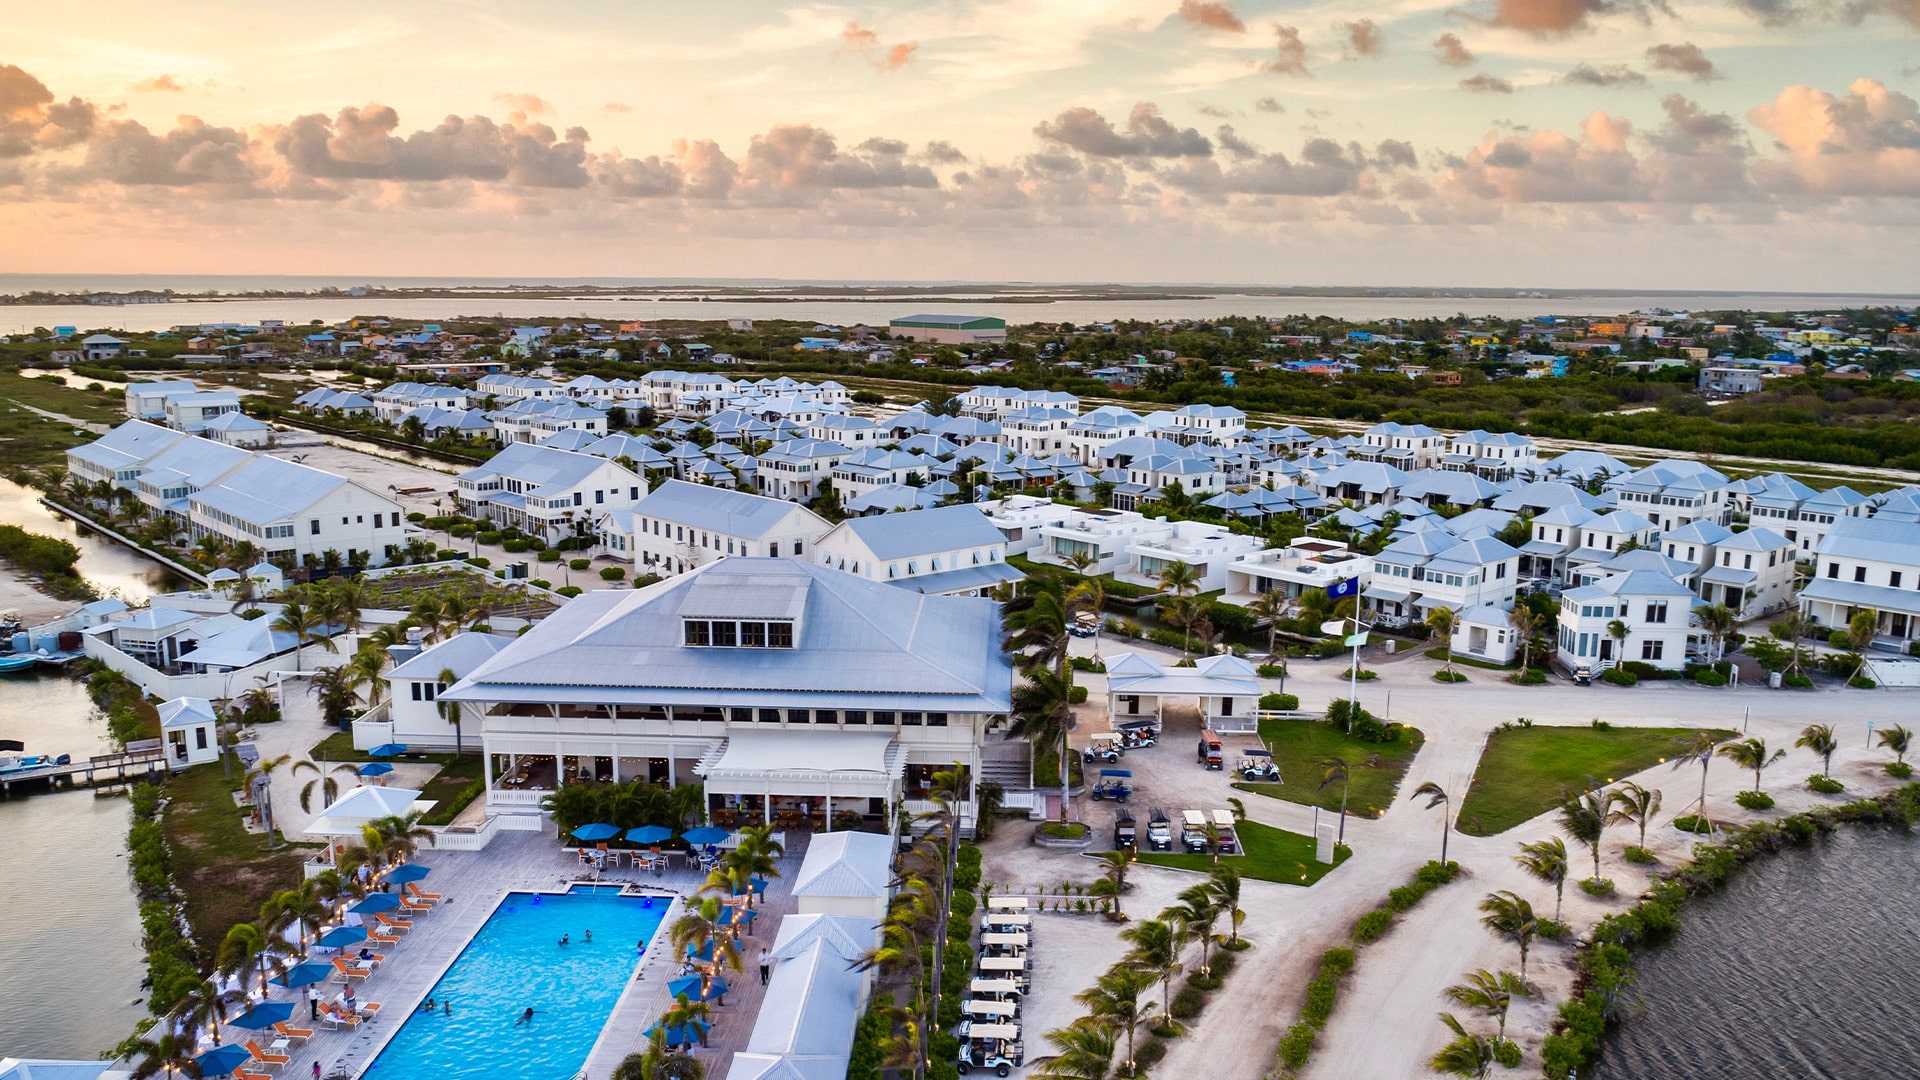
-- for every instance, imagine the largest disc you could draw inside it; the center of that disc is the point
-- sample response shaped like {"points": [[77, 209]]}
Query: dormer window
{"points": [[741, 634]]}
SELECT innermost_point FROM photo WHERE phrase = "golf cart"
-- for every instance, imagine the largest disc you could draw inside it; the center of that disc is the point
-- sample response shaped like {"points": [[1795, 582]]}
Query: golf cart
{"points": [[1105, 746], [1193, 831], [1208, 751], [1113, 785], [1159, 830], [1229, 842], [993, 989], [1257, 765], [989, 1011], [989, 1046], [1084, 625], [1583, 674], [1125, 835], [1135, 734]]}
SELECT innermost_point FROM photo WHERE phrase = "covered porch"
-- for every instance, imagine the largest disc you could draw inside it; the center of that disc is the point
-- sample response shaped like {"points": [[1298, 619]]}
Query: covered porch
{"points": [[1224, 690], [798, 780]]}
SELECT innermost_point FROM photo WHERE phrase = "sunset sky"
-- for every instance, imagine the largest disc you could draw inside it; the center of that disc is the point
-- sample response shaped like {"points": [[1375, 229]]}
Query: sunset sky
{"points": [[1620, 143]]}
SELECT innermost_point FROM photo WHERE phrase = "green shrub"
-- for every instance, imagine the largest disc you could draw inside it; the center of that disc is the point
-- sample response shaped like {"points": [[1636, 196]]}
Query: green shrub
{"points": [[517, 545], [1619, 677], [1322, 993], [416, 517], [612, 573], [1529, 677], [1372, 925], [1709, 677], [1280, 702], [548, 555], [480, 561], [1270, 671], [1797, 681], [1087, 663], [1825, 785], [579, 564], [1692, 823], [1404, 897], [490, 536], [1861, 682], [1447, 677], [1077, 695], [1063, 830], [1297, 1046], [1597, 886], [964, 902], [541, 583], [568, 591], [1187, 1003], [1754, 800], [1148, 1052], [1639, 856], [449, 555], [1552, 930], [1642, 669], [1507, 1054], [461, 532], [1899, 769]]}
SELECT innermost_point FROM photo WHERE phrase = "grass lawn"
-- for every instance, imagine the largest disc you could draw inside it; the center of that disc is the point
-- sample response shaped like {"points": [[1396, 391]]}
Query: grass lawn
{"points": [[1271, 855], [225, 872], [1525, 772], [29, 440], [1299, 746], [449, 785]]}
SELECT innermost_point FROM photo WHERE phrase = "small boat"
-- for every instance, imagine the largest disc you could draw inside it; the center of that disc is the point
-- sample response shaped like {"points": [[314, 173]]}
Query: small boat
{"points": [[13, 763], [17, 662]]}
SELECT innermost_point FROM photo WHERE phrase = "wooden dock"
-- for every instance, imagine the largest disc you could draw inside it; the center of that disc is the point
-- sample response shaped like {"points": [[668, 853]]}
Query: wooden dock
{"points": [[140, 759]]}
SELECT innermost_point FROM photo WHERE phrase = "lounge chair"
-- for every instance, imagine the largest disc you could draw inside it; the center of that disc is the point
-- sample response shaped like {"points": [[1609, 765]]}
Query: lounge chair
{"points": [[390, 923], [338, 1017], [348, 971], [242, 1074], [369, 1009], [288, 1031], [382, 939], [414, 907], [271, 1061], [413, 891]]}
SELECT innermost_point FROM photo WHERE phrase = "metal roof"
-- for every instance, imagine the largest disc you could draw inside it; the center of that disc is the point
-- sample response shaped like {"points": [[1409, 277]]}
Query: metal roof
{"points": [[459, 654], [846, 864], [268, 489], [1873, 539], [732, 513]]}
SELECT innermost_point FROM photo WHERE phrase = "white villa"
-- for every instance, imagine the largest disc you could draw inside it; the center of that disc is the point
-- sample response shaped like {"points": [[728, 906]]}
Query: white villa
{"points": [[1655, 608], [945, 550], [681, 526], [1222, 687], [1308, 563], [1867, 564], [1101, 535], [411, 715], [1210, 549], [791, 692], [547, 492]]}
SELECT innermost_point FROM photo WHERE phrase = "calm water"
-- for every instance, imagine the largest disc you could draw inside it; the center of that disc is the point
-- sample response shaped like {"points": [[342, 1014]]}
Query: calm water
{"points": [[150, 317], [515, 963], [1804, 967], [70, 960], [113, 568]]}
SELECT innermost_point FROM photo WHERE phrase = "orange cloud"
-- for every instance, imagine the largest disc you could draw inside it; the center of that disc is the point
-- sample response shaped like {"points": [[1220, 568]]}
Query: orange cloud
{"points": [[1212, 15], [865, 41], [159, 84], [530, 104]]}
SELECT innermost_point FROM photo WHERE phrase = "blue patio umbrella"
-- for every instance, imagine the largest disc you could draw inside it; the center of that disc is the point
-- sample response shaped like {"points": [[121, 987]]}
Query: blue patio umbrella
{"points": [[391, 749], [262, 1016], [703, 953], [680, 1034], [599, 830], [222, 1060], [375, 768], [757, 884], [408, 872], [374, 903], [649, 834], [740, 916], [342, 936], [706, 834], [690, 986], [305, 974]]}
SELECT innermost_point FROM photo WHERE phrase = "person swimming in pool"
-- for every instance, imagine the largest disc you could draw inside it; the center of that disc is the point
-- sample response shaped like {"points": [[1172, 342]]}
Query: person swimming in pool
{"points": [[589, 936], [525, 1017], [565, 938]]}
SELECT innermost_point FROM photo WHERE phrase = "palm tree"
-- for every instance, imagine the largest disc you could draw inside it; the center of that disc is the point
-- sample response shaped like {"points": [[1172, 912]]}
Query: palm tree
{"points": [[203, 1007], [1897, 739], [1584, 817], [1547, 861], [1197, 914], [168, 1054], [1437, 796], [450, 711], [259, 781], [297, 619], [1225, 884], [1270, 607], [1490, 994], [1156, 953], [1819, 739], [686, 1011], [701, 925], [1751, 754], [1512, 919], [1088, 597], [324, 782], [244, 949], [1719, 622], [1117, 1000], [1186, 612], [1525, 624], [1179, 578], [1336, 768], [1635, 804], [1444, 622], [1618, 631], [1792, 626], [1700, 753], [1113, 880], [306, 906], [1469, 1054], [1859, 633], [397, 836], [1086, 1052]]}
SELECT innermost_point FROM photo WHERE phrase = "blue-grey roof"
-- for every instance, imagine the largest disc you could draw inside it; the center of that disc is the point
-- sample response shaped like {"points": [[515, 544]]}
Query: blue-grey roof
{"points": [[1860, 594], [267, 489], [734, 513], [858, 644], [924, 532], [1872, 538], [965, 579], [537, 466], [127, 445], [459, 654], [1633, 583], [1755, 539]]}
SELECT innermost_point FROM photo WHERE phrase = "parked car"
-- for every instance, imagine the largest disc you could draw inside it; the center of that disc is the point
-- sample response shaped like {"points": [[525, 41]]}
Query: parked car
{"points": [[1228, 841], [1159, 830], [989, 1046]]}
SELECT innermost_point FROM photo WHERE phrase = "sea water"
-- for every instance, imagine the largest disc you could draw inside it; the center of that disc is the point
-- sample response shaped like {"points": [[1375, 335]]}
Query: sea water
{"points": [[516, 963]]}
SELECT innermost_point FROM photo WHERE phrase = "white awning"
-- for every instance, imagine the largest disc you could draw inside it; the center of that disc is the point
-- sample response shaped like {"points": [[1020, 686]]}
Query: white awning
{"points": [[853, 764], [1376, 592]]}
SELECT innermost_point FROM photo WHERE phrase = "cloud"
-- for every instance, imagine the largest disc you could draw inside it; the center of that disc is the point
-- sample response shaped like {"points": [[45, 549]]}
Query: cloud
{"points": [[1291, 58], [31, 120], [1322, 168], [1778, 13], [1394, 154], [1269, 105], [1237, 148], [360, 144], [1451, 51], [942, 152], [1611, 75], [1487, 84], [528, 104], [616, 107], [1682, 59], [1211, 15], [1557, 18], [1214, 111], [194, 152], [1364, 38], [865, 41], [1148, 134], [793, 156], [1866, 143], [159, 84]]}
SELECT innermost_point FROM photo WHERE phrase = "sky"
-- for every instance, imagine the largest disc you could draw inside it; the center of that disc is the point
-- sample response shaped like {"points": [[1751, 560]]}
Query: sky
{"points": [[1732, 144]]}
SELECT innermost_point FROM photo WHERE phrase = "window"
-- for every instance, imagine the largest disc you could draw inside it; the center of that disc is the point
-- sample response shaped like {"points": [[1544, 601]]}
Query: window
{"points": [[936, 719], [912, 719], [1859, 573], [798, 716], [696, 630], [1833, 569], [599, 497], [377, 523], [743, 716], [883, 717], [724, 635], [753, 635], [769, 716], [1657, 611], [773, 550], [796, 547], [826, 716], [1893, 579], [856, 716], [1652, 650], [313, 526]]}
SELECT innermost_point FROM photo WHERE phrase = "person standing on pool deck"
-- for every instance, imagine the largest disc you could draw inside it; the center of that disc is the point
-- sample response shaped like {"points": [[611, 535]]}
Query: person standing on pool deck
{"points": [[316, 1069], [313, 1002], [766, 965]]}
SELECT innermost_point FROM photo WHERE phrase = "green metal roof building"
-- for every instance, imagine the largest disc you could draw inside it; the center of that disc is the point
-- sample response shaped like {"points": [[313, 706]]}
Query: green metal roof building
{"points": [[950, 329]]}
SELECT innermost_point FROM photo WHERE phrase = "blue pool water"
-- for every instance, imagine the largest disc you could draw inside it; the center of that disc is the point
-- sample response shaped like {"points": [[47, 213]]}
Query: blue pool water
{"points": [[516, 962]]}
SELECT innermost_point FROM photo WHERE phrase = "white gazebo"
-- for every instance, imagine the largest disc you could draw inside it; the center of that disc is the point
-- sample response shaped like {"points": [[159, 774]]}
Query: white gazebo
{"points": [[351, 812], [1224, 687]]}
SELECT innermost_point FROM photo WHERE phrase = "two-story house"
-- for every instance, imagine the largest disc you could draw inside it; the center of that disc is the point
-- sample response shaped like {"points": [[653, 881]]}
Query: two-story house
{"points": [[547, 492], [680, 526], [1430, 569], [1099, 535], [1496, 456], [1404, 446], [945, 551], [1090, 434], [1671, 493], [1654, 609], [1209, 549], [1307, 564], [793, 470], [1867, 564]]}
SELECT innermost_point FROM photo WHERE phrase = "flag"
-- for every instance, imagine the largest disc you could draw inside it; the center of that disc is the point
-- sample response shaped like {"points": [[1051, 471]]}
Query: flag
{"points": [[1340, 590], [1355, 641]]}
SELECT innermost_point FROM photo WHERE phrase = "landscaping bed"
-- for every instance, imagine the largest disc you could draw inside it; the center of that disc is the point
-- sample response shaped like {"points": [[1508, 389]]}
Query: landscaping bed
{"points": [[1526, 771], [1300, 745], [1271, 855]]}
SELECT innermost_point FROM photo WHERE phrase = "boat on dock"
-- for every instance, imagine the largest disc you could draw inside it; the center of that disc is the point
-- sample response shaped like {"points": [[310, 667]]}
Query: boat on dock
{"points": [[17, 662]]}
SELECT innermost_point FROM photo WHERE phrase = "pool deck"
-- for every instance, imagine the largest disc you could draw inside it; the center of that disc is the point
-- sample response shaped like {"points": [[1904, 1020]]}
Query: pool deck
{"points": [[473, 884]]}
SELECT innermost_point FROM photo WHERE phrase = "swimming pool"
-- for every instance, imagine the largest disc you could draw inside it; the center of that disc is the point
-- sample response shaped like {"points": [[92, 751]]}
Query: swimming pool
{"points": [[515, 963]]}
